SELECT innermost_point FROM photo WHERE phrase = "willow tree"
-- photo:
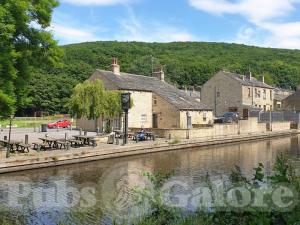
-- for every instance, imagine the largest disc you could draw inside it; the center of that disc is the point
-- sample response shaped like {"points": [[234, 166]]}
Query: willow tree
{"points": [[25, 43], [113, 107], [88, 100]]}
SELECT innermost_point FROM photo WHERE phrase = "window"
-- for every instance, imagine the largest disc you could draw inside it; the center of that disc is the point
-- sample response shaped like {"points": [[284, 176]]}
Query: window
{"points": [[144, 118], [204, 116], [154, 101], [265, 108], [257, 93], [271, 95], [218, 94], [249, 92], [265, 94]]}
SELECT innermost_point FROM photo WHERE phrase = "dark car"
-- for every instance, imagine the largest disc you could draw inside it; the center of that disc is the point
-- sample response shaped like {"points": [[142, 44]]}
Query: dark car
{"points": [[60, 123], [228, 117]]}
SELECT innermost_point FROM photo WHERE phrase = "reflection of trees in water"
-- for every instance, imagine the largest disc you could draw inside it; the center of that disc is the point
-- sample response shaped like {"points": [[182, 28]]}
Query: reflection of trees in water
{"points": [[192, 163]]}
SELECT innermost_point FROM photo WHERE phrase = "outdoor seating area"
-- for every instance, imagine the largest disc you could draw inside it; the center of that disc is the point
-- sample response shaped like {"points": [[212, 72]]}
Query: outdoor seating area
{"points": [[48, 143], [61, 140], [141, 135]]}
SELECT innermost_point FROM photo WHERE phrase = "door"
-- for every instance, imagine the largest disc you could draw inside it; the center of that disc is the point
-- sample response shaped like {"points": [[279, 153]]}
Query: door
{"points": [[245, 113], [154, 121], [189, 122]]}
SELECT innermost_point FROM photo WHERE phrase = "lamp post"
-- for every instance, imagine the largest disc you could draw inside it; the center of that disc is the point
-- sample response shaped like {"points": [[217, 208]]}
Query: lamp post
{"points": [[9, 137], [125, 102]]}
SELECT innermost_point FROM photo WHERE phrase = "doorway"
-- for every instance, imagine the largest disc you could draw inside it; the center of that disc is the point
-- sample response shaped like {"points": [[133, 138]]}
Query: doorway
{"points": [[154, 121]]}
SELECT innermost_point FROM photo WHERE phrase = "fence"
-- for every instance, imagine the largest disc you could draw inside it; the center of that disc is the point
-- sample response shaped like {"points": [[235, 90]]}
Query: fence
{"points": [[284, 116]]}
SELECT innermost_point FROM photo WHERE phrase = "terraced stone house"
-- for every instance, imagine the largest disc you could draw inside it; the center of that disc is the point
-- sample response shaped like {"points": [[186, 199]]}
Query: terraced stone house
{"points": [[156, 104], [230, 92]]}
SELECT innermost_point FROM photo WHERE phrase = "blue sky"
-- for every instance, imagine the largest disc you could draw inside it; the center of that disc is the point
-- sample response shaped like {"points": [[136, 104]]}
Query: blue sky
{"points": [[267, 23]]}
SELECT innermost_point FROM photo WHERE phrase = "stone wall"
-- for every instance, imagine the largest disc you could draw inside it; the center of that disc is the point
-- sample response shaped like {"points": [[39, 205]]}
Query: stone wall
{"points": [[279, 126], [244, 127], [221, 92], [265, 101], [167, 114], [199, 118], [140, 115]]}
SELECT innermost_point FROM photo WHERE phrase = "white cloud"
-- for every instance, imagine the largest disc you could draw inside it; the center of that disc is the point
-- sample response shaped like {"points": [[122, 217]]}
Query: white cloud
{"points": [[67, 35], [133, 29], [263, 14], [97, 2], [129, 28]]}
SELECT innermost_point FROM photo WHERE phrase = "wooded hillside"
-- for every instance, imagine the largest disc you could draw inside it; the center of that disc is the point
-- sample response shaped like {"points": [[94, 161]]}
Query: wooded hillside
{"points": [[186, 63]]}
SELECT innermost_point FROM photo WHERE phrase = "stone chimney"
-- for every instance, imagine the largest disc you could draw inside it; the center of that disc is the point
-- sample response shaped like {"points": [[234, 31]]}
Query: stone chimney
{"points": [[159, 73], [262, 78], [249, 76], [114, 67]]}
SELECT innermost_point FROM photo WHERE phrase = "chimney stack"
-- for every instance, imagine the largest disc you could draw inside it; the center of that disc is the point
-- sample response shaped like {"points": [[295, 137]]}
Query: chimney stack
{"points": [[114, 67], [159, 73], [262, 78], [249, 76]]}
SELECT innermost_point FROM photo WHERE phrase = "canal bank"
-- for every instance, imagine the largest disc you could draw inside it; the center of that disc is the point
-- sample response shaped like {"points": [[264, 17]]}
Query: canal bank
{"points": [[55, 158]]}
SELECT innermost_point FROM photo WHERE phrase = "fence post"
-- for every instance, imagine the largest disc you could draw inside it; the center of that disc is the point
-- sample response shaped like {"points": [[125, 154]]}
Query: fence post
{"points": [[270, 121], [26, 139]]}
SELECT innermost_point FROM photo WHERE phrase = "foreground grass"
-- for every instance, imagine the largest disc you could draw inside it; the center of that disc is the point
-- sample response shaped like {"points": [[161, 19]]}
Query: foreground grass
{"points": [[28, 122]]}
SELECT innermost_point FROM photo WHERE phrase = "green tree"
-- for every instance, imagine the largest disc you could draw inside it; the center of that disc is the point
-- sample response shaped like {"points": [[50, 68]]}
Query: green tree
{"points": [[24, 43], [88, 100], [113, 106]]}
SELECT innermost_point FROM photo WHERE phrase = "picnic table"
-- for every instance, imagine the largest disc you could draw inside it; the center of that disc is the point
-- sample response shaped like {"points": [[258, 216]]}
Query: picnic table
{"points": [[51, 142], [87, 140], [13, 145]]}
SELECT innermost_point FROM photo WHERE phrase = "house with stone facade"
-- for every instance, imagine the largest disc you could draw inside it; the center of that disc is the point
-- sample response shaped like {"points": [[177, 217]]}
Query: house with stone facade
{"points": [[279, 95], [230, 92], [156, 104], [292, 102]]}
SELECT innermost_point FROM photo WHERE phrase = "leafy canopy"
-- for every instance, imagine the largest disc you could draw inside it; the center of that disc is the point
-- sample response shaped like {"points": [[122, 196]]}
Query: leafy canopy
{"points": [[91, 100], [185, 63], [24, 43]]}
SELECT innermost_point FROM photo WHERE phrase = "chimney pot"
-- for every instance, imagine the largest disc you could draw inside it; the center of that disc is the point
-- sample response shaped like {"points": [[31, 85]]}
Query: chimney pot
{"points": [[249, 76], [159, 73], [262, 78], [115, 68]]}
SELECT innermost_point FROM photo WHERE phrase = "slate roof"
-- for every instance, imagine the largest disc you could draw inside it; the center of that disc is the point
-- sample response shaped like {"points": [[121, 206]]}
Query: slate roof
{"points": [[279, 97], [171, 94], [246, 82], [293, 99]]}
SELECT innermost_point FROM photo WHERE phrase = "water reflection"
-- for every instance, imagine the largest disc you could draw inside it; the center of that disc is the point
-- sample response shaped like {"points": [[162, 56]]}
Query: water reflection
{"points": [[112, 181]]}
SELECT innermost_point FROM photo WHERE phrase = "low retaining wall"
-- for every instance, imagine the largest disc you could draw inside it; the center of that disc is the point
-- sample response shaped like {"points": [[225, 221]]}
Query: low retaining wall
{"points": [[250, 126], [279, 126]]}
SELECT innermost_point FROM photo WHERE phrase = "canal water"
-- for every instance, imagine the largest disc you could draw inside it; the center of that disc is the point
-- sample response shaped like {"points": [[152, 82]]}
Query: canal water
{"points": [[102, 192]]}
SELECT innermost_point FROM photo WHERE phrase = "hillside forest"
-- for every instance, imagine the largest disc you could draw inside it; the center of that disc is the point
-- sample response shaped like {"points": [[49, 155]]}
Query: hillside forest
{"points": [[185, 64]]}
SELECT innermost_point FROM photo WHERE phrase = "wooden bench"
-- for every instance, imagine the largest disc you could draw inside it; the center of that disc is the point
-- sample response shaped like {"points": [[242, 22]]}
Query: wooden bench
{"points": [[153, 137], [39, 146], [93, 142], [23, 147], [63, 144], [75, 143]]}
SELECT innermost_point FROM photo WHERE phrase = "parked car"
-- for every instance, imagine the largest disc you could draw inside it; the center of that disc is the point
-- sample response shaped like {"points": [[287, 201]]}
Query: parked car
{"points": [[60, 123], [228, 117]]}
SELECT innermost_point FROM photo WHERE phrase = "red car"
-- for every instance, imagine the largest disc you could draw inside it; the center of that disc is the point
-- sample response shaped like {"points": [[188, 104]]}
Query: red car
{"points": [[60, 123]]}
